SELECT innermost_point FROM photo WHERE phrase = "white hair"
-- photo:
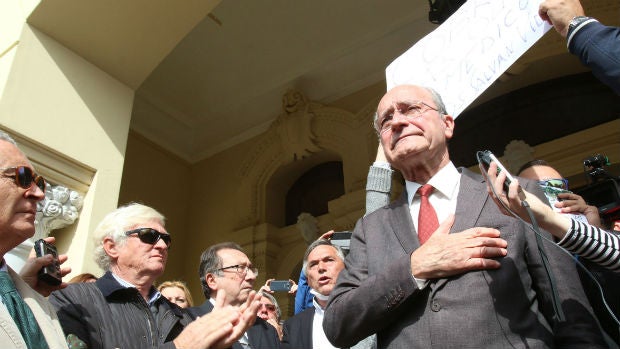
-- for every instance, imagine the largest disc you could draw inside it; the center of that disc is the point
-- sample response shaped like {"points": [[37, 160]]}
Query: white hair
{"points": [[114, 225]]}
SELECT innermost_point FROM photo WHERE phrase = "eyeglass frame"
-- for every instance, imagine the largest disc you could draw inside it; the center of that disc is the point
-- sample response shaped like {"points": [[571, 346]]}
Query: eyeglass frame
{"points": [[15, 177], [419, 111], [160, 236], [545, 183], [237, 266]]}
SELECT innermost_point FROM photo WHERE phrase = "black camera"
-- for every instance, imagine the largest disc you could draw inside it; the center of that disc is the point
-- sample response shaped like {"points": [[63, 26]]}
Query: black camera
{"points": [[604, 189], [49, 274]]}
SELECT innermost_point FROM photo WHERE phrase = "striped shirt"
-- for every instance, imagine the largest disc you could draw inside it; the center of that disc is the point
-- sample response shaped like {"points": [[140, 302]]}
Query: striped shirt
{"points": [[594, 244]]}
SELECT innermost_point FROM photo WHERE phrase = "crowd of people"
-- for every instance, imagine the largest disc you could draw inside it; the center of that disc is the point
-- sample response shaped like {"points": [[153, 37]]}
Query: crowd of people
{"points": [[452, 262]]}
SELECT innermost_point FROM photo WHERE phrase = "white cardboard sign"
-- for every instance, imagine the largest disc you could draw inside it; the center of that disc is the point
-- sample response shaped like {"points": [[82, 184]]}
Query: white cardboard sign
{"points": [[470, 50]]}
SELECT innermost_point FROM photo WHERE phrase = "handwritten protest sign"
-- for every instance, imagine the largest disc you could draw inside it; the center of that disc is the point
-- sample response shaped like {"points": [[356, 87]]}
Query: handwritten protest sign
{"points": [[470, 50]]}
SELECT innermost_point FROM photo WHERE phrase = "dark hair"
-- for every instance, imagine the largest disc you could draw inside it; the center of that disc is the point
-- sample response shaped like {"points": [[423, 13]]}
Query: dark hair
{"points": [[532, 164], [210, 261]]}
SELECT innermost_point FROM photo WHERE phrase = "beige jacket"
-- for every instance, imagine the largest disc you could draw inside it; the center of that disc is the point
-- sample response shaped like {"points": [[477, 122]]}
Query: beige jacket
{"points": [[10, 337]]}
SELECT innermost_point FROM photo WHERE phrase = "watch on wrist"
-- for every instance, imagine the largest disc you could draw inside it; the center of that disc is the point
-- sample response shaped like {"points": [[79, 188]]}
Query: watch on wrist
{"points": [[575, 22]]}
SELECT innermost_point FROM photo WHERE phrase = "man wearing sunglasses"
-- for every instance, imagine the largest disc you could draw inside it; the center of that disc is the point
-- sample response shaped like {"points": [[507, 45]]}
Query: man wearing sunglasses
{"points": [[556, 190], [28, 320], [226, 270], [122, 309], [270, 311]]}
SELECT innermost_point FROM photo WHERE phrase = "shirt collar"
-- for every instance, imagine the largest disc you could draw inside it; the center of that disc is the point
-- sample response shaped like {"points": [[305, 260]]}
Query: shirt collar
{"points": [[317, 307], [445, 182], [153, 294]]}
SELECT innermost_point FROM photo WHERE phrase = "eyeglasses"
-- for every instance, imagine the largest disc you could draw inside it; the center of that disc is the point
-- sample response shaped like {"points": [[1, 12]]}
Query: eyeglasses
{"points": [[241, 270], [411, 111], [150, 236], [561, 183], [24, 177]]}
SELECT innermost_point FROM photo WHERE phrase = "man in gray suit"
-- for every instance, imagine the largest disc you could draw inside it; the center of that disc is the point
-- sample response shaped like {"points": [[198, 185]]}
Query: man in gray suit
{"points": [[465, 286]]}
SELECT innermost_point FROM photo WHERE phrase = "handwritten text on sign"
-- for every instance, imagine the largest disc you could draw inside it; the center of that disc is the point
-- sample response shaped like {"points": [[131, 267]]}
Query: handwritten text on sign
{"points": [[469, 51]]}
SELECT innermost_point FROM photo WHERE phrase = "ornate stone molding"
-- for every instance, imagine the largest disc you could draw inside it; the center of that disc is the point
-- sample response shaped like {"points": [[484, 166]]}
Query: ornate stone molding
{"points": [[59, 209], [68, 181], [517, 153], [308, 227], [294, 127]]}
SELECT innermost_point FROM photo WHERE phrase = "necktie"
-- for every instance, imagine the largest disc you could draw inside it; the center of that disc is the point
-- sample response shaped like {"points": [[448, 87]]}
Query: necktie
{"points": [[21, 314], [427, 218]]}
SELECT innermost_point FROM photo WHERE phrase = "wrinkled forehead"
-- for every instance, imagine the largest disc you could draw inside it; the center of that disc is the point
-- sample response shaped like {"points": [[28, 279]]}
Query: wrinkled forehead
{"points": [[540, 172], [323, 251], [232, 257], [404, 94], [10, 155]]}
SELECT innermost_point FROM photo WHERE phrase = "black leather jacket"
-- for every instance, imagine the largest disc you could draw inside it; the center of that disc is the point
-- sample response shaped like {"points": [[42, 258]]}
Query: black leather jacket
{"points": [[104, 314]]}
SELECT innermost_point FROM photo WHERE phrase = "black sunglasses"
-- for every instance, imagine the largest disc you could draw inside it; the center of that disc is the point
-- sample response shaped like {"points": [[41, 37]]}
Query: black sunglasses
{"points": [[24, 177], [150, 236]]}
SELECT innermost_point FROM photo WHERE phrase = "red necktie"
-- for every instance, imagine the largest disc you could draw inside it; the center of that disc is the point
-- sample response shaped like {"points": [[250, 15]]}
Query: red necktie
{"points": [[427, 218]]}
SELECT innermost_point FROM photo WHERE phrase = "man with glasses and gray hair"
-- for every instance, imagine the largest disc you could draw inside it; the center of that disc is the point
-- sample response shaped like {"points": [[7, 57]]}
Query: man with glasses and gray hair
{"points": [[28, 320], [226, 271], [122, 309]]}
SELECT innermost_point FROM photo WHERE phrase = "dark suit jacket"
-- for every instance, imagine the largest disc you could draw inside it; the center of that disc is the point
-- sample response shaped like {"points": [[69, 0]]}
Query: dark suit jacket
{"points": [[261, 335], [297, 331], [509, 307]]}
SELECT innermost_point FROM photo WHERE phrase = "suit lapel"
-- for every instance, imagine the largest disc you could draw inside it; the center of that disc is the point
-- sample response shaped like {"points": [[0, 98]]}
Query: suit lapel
{"points": [[402, 225], [469, 203]]}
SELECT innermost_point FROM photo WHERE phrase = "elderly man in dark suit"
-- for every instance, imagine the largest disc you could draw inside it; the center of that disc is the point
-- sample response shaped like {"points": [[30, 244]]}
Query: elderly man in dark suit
{"points": [[225, 268], [477, 280]]}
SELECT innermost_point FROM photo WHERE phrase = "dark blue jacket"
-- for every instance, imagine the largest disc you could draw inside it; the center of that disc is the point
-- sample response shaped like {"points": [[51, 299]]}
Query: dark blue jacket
{"points": [[598, 47], [105, 314]]}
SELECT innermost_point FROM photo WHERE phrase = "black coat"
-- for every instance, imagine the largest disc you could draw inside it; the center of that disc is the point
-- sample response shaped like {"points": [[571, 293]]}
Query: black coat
{"points": [[297, 331], [104, 314], [260, 336]]}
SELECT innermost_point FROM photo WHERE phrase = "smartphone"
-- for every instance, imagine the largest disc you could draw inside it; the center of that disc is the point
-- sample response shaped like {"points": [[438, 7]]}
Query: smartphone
{"points": [[484, 160], [341, 235], [342, 239], [49, 274], [280, 285]]}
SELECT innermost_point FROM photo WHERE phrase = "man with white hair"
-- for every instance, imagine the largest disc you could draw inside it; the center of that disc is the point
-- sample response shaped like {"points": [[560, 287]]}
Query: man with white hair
{"points": [[123, 310]]}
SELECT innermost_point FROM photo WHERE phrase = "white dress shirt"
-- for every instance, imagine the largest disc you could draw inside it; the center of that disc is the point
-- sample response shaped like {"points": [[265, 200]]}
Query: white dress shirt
{"points": [[319, 340], [443, 199]]}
